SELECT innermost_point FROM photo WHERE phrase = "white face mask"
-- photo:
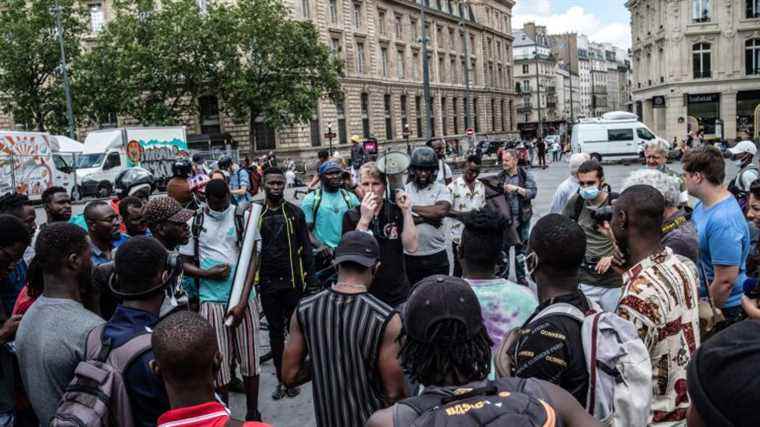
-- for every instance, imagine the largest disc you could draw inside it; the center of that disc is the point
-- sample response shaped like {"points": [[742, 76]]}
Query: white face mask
{"points": [[219, 215]]}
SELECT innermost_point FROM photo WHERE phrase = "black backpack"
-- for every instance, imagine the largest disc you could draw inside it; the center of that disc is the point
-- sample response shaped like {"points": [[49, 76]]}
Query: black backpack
{"points": [[497, 403]]}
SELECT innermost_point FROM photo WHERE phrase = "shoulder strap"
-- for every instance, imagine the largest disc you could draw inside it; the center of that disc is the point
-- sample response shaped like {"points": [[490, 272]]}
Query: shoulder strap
{"points": [[121, 357], [239, 223], [94, 343], [346, 198], [578, 208], [561, 309], [317, 202], [422, 403], [196, 232]]}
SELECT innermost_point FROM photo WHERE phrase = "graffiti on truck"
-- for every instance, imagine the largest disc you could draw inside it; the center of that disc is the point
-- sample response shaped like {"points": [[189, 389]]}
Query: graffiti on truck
{"points": [[156, 156], [27, 161]]}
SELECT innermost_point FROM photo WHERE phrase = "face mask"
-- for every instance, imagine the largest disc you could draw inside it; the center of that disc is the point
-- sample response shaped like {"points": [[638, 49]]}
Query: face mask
{"points": [[589, 193], [218, 215], [739, 163]]}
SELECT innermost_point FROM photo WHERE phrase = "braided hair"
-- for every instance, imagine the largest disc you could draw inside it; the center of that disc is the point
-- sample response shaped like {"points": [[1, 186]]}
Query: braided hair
{"points": [[448, 350]]}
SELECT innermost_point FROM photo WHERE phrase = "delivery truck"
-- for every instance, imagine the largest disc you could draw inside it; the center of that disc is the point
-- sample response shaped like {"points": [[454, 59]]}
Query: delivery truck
{"points": [[31, 162], [107, 152]]}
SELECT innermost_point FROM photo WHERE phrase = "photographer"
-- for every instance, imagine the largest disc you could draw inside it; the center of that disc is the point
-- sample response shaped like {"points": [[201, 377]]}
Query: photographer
{"points": [[590, 208], [431, 202]]}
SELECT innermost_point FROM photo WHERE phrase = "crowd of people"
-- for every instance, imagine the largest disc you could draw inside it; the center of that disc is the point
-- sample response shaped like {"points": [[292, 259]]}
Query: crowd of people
{"points": [[629, 306]]}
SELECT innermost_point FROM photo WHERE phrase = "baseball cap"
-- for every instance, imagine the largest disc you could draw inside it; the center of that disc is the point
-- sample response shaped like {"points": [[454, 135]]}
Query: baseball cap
{"points": [[160, 209], [437, 298], [743, 147], [721, 376], [329, 166], [358, 247]]}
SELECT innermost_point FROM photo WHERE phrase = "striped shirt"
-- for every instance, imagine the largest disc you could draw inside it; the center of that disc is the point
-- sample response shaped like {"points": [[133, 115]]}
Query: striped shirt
{"points": [[343, 333]]}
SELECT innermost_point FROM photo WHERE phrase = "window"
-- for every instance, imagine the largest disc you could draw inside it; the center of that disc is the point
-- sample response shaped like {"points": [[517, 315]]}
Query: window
{"points": [[489, 47], [97, 18], [209, 110], [341, 114], [113, 160], [753, 9], [357, 16], [455, 115], [381, 22], [414, 32], [334, 12], [452, 39], [315, 132], [464, 71], [474, 73], [388, 117], [400, 66], [384, 60], [752, 56], [503, 115], [418, 111], [644, 133], [453, 70], [700, 10], [415, 66], [360, 58], [498, 50], [264, 135], [701, 55], [525, 69], [404, 118], [305, 9], [365, 115], [493, 115], [335, 47], [398, 27], [475, 114], [441, 70], [439, 36], [444, 120], [619, 135]]}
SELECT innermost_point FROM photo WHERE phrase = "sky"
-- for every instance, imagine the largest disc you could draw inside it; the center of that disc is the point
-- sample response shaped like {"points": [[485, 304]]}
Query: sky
{"points": [[601, 20]]}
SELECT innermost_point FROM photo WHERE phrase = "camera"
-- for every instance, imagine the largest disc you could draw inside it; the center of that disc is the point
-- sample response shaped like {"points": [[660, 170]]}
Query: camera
{"points": [[601, 215]]}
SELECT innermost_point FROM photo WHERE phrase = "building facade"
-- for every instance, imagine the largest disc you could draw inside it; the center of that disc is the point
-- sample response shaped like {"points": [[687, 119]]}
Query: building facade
{"points": [[696, 66], [379, 42]]}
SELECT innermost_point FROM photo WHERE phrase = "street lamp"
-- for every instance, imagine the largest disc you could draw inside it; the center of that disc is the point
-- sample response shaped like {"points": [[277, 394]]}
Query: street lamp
{"points": [[56, 9], [426, 73]]}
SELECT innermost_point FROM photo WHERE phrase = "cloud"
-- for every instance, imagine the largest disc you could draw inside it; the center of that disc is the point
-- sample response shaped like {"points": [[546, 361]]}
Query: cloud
{"points": [[574, 19]]}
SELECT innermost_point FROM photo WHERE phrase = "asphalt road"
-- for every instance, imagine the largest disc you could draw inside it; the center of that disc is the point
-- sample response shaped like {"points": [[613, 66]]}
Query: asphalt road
{"points": [[298, 412]]}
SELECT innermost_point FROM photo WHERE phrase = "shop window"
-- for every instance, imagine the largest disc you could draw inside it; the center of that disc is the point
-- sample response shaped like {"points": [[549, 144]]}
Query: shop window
{"points": [[752, 56], [701, 57]]}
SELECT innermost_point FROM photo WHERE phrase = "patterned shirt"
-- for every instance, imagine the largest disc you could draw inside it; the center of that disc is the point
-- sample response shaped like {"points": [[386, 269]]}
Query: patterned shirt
{"points": [[660, 299], [464, 200]]}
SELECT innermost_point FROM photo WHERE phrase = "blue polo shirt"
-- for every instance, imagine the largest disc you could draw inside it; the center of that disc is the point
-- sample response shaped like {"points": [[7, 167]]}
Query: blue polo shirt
{"points": [[147, 394], [99, 257]]}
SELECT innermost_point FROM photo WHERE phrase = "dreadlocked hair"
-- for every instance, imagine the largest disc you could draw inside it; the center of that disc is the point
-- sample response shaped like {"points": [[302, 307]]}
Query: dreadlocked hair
{"points": [[449, 351]]}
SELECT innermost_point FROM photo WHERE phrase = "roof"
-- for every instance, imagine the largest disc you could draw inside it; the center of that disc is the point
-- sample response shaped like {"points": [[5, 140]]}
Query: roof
{"points": [[521, 39]]}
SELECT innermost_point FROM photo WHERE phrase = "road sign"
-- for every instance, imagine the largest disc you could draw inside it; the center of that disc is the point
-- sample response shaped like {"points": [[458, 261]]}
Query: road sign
{"points": [[330, 135], [470, 132]]}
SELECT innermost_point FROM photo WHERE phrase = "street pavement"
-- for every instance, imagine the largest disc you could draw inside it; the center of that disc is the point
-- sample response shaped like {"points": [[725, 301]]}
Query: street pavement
{"points": [[298, 412]]}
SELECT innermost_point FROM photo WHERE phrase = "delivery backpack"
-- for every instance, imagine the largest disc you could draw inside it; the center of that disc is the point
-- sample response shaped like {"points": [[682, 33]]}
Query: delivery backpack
{"points": [[97, 395], [618, 364], [503, 402]]}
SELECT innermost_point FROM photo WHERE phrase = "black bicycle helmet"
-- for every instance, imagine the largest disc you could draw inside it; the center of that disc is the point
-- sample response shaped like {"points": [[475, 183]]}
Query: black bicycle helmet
{"points": [[224, 163], [129, 179], [182, 168], [424, 158]]}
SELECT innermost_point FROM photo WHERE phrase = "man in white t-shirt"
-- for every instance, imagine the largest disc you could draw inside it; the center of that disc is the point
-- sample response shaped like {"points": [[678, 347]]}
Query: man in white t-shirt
{"points": [[444, 175], [219, 238], [467, 194]]}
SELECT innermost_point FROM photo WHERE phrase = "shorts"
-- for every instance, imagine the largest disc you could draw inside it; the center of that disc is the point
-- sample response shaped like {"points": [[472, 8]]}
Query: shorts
{"points": [[238, 347]]}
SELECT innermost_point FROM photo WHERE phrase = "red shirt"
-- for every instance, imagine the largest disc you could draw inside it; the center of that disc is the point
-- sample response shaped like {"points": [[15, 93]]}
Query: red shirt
{"points": [[211, 414]]}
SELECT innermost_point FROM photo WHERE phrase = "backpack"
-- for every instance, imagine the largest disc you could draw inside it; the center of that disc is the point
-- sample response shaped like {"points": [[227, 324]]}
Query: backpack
{"points": [[735, 186], [97, 395], [503, 402], [197, 227], [318, 200], [618, 364]]}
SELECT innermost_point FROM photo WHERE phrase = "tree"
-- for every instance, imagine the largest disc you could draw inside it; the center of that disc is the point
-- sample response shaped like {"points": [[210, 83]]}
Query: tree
{"points": [[31, 83], [152, 64], [282, 69]]}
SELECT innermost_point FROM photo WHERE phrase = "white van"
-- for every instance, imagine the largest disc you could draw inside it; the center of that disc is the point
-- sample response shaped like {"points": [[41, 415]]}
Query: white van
{"points": [[108, 152], [616, 136]]}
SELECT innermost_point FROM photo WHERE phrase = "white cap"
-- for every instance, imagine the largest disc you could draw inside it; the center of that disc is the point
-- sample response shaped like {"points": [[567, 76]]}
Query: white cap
{"points": [[743, 147]]}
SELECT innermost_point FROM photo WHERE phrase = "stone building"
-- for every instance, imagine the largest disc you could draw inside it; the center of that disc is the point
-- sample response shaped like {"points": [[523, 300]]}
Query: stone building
{"points": [[696, 65], [379, 43]]}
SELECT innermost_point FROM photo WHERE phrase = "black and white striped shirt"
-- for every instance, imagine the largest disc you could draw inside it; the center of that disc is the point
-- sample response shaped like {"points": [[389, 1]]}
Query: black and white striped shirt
{"points": [[343, 333]]}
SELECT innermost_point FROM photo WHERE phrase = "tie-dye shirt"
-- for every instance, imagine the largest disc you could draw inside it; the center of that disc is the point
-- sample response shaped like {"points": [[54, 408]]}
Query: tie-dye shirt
{"points": [[506, 305]]}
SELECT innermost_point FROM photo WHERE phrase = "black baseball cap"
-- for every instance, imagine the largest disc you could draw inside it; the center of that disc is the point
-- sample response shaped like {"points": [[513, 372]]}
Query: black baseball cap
{"points": [[437, 298], [358, 247]]}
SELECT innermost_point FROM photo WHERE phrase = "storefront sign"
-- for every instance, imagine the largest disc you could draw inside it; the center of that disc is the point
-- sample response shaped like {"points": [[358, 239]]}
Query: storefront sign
{"points": [[702, 99], [658, 102]]}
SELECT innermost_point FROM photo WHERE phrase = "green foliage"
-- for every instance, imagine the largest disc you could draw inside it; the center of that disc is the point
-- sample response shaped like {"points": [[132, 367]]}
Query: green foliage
{"points": [[31, 84]]}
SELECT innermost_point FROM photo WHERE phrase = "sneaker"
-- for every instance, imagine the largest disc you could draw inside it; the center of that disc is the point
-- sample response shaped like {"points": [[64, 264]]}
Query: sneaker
{"points": [[279, 392], [293, 392]]}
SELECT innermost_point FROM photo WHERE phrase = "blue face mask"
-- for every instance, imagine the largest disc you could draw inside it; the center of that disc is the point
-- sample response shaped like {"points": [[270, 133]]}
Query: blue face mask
{"points": [[589, 193]]}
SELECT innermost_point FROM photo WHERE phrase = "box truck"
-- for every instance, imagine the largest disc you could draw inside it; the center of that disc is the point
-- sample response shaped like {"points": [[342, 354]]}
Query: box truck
{"points": [[107, 152], [615, 136], [31, 162]]}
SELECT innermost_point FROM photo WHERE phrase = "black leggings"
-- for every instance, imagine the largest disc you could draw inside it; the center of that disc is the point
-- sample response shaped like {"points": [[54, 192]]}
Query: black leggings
{"points": [[420, 267]]}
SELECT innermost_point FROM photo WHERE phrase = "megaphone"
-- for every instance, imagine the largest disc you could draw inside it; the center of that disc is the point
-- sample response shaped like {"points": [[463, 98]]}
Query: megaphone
{"points": [[394, 165]]}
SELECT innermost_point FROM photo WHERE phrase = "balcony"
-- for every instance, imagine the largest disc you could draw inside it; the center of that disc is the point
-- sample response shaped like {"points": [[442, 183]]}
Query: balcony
{"points": [[525, 108]]}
